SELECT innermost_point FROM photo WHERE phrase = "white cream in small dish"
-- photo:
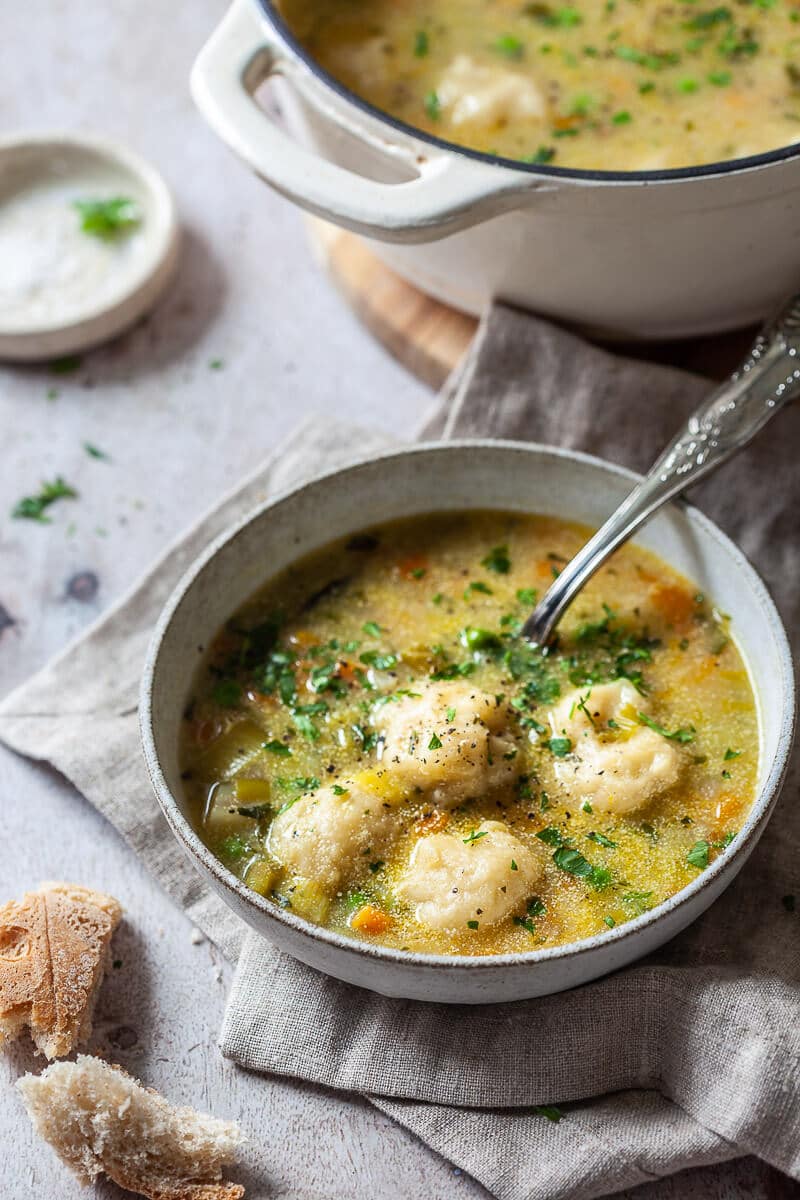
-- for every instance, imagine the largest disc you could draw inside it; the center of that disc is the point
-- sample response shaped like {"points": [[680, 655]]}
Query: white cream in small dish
{"points": [[67, 284]]}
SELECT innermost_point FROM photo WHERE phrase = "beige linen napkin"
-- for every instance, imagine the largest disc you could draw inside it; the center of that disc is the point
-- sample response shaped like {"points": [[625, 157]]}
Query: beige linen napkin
{"points": [[692, 1056]]}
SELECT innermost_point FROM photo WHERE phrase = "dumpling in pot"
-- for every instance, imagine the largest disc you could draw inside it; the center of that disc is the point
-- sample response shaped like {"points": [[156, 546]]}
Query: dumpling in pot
{"points": [[323, 835], [494, 95], [616, 763], [449, 741], [483, 877]]}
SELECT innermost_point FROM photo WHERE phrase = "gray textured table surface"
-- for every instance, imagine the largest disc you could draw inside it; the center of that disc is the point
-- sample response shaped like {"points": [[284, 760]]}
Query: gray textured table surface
{"points": [[178, 432]]}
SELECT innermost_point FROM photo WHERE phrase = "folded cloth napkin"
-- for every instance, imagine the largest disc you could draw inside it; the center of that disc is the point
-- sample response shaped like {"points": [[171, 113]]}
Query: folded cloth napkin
{"points": [[687, 1058]]}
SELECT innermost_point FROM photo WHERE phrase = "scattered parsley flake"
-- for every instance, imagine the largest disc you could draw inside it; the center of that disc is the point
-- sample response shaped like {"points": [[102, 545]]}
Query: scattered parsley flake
{"points": [[32, 508], [276, 747]]}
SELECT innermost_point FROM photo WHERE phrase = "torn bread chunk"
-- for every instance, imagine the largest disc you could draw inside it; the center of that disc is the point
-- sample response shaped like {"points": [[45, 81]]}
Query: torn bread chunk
{"points": [[99, 1120], [54, 953], [449, 740]]}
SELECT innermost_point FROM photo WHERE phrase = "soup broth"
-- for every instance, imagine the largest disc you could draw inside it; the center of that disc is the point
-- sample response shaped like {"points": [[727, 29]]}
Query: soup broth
{"points": [[372, 745], [624, 86]]}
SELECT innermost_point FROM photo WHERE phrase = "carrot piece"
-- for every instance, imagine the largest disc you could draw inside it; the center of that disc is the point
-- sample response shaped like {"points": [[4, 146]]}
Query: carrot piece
{"points": [[414, 566], [673, 603], [432, 822], [346, 670], [370, 919]]}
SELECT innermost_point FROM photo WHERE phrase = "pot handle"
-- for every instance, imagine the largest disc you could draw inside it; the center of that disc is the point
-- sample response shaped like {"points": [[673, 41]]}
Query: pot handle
{"points": [[448, 193]]}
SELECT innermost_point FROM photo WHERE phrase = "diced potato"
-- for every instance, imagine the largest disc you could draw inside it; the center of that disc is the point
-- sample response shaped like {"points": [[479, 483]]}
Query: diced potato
{"points": [[223, 819]]}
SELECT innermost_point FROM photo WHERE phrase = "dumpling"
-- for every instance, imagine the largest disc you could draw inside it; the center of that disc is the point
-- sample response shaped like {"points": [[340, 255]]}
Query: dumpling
{"points": [[617, 764], [448, 741], [483, 878], [323, 834], [469, 91]]}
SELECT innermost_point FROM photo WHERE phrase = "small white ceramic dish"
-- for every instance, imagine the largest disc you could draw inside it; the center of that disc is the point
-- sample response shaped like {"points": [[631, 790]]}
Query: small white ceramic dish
{"points": [[61, 289], [448, 476]]}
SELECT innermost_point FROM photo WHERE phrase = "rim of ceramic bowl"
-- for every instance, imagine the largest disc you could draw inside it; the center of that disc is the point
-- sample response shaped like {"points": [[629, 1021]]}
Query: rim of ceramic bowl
{"points": [[160, 258], [757, 817], [732, 166]]}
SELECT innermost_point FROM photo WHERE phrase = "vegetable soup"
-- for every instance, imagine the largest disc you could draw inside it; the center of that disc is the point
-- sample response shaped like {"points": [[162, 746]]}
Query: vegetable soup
{"points": [[621, 85], [371, 743]]}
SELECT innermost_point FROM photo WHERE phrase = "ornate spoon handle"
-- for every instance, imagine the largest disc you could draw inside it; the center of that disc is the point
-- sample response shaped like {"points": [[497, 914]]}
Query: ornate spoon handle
{"points": [[768, 378]]}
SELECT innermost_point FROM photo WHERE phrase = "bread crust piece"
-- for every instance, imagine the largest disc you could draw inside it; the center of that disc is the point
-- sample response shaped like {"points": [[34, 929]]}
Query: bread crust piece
{"points": [[54, 953], [100, 1120]]}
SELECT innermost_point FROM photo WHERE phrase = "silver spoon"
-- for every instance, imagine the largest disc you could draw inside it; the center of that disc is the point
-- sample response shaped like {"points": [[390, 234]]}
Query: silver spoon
{"points": [[768, 378]]}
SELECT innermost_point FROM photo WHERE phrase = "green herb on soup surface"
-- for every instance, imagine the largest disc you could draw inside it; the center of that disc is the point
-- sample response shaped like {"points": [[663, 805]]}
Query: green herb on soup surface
{"points": [[626, 86], [349, 676]]}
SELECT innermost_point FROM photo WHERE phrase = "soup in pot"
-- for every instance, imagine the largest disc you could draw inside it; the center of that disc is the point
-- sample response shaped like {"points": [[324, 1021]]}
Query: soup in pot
{"points": [[621, 85], [372, 745]]}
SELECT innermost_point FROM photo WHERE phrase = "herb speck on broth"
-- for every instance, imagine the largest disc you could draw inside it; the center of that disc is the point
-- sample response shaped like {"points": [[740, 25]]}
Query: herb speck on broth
{"points": [[621, 87], [372, 745]]}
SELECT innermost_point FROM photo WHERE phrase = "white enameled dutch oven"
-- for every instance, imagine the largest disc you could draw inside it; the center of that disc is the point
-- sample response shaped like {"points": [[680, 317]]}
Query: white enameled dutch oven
{"points": [[458, 476], [656, 254]]}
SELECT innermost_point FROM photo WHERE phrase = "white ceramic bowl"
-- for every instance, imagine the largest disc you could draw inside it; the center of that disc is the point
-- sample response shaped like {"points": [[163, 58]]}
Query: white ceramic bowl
{"points": [[651, 254], [74, 165], [458, 475]]}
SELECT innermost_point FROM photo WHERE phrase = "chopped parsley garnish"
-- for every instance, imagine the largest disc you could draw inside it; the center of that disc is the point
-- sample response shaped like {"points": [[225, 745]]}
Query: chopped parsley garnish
{"points": [[376, 866], [514, 866], [32, 508], [509, 45], [233, 847], [551, 836], [472, 925], [637, 902], [381, 662], [698, 855], [255, 811], [451, 714], [108, 219], [682, 735], [276, 747], [95, 451], [609, 921], [372, 628], [477, 585], [421, 43], [227, 693], [338, 790], [432, 106], [497, 560], [479, 639], [601, 840], [474, 835], [435, 743], [573, 862], [560, 746], [549, 1111], [729, 754]]}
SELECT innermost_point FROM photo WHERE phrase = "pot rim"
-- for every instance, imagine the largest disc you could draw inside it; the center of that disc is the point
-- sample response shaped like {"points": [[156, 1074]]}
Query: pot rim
{"points": [[227, 882], [733, 166]]}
